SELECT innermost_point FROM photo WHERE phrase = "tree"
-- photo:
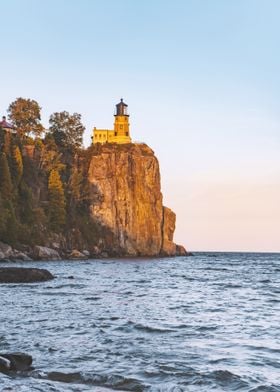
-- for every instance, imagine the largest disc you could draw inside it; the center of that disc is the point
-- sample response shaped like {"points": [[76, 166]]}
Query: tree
{"points": [[5, 141], [6, 186], [78, 189], [67, 129], [57, 214], [25, 203], [11, 229], [3, 217], [17, 165], [25, 115]]}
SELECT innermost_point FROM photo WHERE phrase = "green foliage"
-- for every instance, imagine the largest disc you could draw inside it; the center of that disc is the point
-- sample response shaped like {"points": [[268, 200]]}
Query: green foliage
{"points": [[90, 230], [57, 213], [78, 187], [17, 164], [25, 115], [3, 217], [25, 204], [45, 192], [5, 178], [11, 228], [6, 139], [51, 160], [67, 129], [75, 184]]}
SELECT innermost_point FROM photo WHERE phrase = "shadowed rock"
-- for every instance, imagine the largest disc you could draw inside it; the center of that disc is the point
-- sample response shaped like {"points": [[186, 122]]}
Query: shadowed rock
{"points": [[15, 362], [24, 275], [63, 377]]}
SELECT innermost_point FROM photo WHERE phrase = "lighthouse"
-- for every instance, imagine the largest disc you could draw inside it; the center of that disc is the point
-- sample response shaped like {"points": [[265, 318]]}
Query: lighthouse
{"points": [[120, 134]]}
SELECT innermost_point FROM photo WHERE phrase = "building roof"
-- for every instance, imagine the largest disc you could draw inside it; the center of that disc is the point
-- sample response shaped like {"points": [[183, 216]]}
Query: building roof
{"points": [[5, 124], [121, 103]]}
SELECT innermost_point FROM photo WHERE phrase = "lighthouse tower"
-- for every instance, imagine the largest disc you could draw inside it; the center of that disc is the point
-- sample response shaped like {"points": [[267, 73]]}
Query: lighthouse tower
{"points": [[121, 125], [120, 133]]}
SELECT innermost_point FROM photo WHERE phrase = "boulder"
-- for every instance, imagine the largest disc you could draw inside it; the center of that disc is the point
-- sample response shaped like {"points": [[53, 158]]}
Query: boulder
{"points": [[44, 253], [8, 253], [5, 365], [5, 251], [15, 362], [24, 275], [21, 256], [64, 377], [77, 255]]}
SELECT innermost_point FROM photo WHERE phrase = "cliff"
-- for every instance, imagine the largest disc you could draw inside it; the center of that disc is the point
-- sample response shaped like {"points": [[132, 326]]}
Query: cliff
{"points": [[59, 201], [126, 199]]}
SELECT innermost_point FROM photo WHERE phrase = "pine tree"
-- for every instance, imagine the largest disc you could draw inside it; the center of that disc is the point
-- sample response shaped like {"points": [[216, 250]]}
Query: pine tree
{"points": [[2, 138], [5, 178], [25, 203], [11, 232], [78, 190], [57, 214], [3, 217], [17, 165]]}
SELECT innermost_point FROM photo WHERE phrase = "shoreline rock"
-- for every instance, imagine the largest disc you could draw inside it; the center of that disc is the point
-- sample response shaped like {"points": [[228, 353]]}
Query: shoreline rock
{"points": [[77, 255], [24, 275], [43, 253], [12, 362]]}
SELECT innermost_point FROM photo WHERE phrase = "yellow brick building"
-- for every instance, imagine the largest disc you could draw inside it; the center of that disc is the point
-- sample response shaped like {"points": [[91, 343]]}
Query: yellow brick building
{"points": [[120, 133]]}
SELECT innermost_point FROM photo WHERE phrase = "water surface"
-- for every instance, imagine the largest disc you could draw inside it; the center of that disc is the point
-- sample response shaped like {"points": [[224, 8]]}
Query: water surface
{"points": [[210, 322]]}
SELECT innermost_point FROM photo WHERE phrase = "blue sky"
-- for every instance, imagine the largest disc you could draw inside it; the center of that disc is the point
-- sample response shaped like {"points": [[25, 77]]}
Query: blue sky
{"points": [[201, 79]]}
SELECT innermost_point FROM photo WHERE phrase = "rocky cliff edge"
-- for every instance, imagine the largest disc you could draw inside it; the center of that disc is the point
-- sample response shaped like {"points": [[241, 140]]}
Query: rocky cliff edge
{"points": [[126, 199]]}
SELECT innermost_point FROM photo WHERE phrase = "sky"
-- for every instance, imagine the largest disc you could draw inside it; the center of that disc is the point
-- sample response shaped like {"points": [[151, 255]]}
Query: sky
{"points": [[202, 83]]}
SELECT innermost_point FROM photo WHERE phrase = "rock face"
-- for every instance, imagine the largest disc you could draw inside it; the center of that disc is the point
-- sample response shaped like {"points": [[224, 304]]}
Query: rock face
{"points": [[127, 200], [24, 275], [169, 221]]}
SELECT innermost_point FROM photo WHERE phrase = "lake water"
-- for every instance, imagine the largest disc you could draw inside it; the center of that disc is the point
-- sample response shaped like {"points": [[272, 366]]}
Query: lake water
{"points": [[210, 322]]}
